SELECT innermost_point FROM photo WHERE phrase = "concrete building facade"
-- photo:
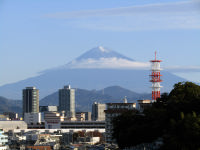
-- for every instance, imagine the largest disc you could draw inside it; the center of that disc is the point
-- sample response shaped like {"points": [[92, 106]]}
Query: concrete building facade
{"points": [[67, 101], [32, 118], [53, 120], [88, 116], [11, 115], [30, 100], [11, 125], [98, 113]]}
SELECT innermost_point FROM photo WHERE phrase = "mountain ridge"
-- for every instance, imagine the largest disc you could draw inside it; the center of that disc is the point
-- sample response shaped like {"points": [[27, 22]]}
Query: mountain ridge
{"points": [[99, 52], [84, 98]]}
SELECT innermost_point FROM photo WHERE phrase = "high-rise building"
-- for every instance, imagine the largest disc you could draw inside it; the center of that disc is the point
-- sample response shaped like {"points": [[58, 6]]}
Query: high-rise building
{"points": [[30, 100], [67, 101], [98, 113]]}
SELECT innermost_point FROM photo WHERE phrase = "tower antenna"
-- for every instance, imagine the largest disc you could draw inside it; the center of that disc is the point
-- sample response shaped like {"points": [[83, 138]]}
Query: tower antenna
{"points": [[155, 78]]}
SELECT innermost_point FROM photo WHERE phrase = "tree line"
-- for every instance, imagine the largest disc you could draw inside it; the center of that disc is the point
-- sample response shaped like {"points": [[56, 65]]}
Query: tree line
{"points": [[174, 118]]}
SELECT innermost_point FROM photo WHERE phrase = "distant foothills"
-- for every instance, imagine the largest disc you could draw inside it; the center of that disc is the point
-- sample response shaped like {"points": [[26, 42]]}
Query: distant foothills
{"points": [[84, 98]]}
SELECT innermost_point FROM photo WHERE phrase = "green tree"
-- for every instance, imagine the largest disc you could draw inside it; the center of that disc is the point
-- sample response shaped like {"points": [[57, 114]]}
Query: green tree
{"points": [[183, 134], [175, 117]]}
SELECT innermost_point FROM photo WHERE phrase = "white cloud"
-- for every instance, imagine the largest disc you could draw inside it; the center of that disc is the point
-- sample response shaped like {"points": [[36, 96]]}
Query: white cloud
{"points": [[113, 63], [183, 69], [177, 15]]}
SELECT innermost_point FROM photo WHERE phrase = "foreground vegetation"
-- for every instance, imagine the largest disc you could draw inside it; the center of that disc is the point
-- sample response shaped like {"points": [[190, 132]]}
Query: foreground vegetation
{"points": [[174, 118]]}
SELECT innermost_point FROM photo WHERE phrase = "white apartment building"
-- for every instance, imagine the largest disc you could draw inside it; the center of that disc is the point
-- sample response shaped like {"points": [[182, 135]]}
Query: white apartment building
{"points": [[32, 118]]}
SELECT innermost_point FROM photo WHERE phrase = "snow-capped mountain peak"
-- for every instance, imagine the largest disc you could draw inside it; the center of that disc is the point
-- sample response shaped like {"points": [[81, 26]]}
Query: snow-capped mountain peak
{"points": [[100, 57], [102, 49], [101, 52]]}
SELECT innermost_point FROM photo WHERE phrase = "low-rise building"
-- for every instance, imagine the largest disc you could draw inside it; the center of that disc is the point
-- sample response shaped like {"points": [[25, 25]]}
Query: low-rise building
{"points": [[83, 125], [12, 115], [48, 108], [10, 125], [3, 117], [53, 119], [114, 110], [143, 104], [88, 116], [3, 140], [40, 125], [80, 116], [83, 116], [44, 109], [32, 118]]}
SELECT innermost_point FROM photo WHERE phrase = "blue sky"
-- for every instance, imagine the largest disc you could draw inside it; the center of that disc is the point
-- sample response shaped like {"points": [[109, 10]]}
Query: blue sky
{"points": [[36, 35]]}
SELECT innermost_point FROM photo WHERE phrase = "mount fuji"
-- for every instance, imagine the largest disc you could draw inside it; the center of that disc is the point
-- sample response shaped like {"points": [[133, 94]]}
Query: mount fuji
{"points": [[103, 58], [96, 69]]}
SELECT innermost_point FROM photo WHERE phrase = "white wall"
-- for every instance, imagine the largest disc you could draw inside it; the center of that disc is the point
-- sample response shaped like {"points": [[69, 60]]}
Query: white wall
{"points": [[32, 118]]}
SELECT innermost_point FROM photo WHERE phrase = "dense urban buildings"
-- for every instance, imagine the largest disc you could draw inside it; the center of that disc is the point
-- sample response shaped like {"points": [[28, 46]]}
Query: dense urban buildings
{"points": [[83, 116], [30, 100], [11, 115], [3, 140], [67, 101], [98, 113]]}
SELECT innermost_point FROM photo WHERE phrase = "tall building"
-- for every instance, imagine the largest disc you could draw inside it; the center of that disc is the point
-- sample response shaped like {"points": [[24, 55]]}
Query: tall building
{"points": [[30, 100], [98, 113], [67, 101]]}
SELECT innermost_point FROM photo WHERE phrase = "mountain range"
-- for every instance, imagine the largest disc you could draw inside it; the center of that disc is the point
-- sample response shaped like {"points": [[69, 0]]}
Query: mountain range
{"points": [[8, 105], [95, 69], [85, 98]]}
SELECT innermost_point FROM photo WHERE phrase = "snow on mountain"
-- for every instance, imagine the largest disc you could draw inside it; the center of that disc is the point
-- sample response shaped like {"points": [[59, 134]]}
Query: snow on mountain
{"points": [[101, 52], [101, 57]]}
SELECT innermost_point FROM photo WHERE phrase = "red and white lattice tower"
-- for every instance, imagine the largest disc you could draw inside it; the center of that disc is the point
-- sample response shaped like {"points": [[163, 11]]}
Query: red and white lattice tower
{"points": [[155, 78]]}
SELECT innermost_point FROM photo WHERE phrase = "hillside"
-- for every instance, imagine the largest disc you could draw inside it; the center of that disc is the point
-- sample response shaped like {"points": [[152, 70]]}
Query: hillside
{"points": [[7, 105], [85, 98]]}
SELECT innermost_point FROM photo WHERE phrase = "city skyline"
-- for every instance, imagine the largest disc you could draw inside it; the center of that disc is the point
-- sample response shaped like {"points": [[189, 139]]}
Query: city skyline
{"points": [[36, 36]]}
